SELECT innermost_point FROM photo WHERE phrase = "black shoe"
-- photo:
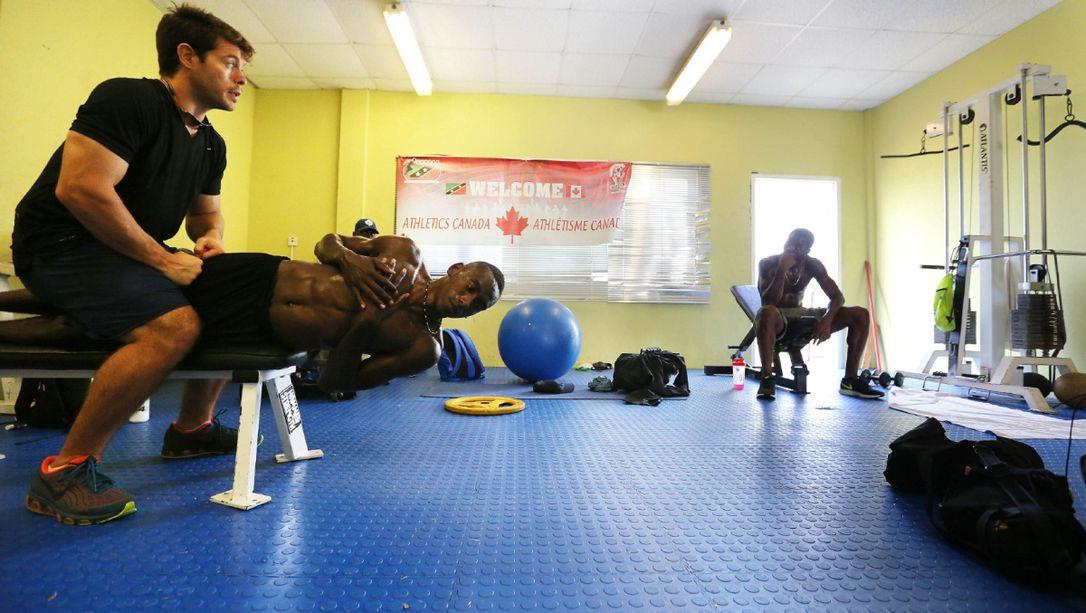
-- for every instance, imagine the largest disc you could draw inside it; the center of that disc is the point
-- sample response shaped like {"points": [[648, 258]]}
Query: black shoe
{"points": [[767, 389], [213, 438], [854, 386], [78, 494]]}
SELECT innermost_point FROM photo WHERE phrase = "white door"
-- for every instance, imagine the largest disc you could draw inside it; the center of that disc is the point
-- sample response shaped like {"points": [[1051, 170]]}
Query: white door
{"points": [[780, 204]]}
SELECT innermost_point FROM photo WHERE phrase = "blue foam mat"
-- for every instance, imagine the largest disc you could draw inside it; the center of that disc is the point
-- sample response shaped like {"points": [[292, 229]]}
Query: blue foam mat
{"points": [[717, 503]]}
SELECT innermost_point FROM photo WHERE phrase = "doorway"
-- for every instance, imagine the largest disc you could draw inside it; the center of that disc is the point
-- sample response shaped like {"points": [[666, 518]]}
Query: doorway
{"points": [[780, 204]]}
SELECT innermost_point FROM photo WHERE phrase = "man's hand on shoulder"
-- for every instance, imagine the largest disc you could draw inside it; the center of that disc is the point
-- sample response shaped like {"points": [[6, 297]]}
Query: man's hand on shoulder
{"points": [[369, 277], [180, 267], [208, 247]]}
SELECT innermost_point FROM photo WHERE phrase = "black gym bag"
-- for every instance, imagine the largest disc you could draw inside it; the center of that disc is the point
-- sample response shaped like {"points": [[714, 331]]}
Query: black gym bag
{"points": [[50, 403], [648, 375], [995, 499]]}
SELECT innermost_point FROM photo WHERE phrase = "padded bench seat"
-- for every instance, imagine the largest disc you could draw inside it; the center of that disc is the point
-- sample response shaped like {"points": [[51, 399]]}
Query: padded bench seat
{"points": [[252, 366], [244, 362]]}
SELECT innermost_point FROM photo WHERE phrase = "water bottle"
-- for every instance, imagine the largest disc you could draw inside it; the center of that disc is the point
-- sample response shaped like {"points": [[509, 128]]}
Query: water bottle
{"points": [[739, 371]]}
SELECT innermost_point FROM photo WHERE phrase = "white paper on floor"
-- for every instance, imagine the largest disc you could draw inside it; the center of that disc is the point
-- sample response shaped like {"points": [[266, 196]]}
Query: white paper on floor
{"points": [[984, 416]]}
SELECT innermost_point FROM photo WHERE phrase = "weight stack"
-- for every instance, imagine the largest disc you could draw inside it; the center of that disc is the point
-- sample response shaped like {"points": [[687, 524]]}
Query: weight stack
{"points": [[970, 331], [1037, 322]]}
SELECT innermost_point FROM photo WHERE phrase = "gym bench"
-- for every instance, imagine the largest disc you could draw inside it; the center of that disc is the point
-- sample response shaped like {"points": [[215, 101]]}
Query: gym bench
{"points": [[796, 338], [251, 366]]}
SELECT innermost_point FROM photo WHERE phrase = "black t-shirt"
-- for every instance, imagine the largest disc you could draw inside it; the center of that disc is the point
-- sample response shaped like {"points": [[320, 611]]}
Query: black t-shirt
{"points": [[138, 120]]}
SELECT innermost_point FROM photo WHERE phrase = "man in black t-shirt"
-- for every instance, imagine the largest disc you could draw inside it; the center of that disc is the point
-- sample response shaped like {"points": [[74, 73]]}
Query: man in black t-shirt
{"points": [[140, 159]]}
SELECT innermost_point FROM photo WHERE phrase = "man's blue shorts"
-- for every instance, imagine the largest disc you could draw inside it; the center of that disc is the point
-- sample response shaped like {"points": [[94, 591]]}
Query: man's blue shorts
{"points": [[107, 293]]}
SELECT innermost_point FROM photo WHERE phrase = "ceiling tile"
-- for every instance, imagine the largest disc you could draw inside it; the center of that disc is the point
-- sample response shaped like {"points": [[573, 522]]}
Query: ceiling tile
{"points": [[794, 12], [893, 84], [393, 85], [782, 80], [532, 4], [671, 36], [600, 32], [863, 14], [382, 62], [816, 103], [452, 27], [726, 77], [474, 65], [527, 89], [284, 83], [529, 30], [585, 91], [947, 51], [343, 83], [888, 50], [640, 93], [937, 15], [842, 83], [757, 43], [648, 73], [464, 87], [327, 60], [822, 47], [757, 100], [363, 22], [237, 14], [1010, 14], [592, 69], [632, 6], [527, 67], [273, 60], [860, 104], [299, 21], [702, 9], [710, 97]]}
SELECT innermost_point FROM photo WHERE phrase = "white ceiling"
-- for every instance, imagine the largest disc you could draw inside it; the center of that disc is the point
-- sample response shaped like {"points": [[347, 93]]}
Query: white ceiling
{"points": [[826, 54]]}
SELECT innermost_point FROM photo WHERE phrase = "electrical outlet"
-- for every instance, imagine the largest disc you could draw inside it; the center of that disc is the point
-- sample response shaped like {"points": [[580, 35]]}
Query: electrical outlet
{"points": [[292, 241]]}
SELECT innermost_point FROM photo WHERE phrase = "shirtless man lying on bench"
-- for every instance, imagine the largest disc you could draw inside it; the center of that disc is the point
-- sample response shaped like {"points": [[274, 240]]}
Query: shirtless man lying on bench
{"points": [[367, 296]]}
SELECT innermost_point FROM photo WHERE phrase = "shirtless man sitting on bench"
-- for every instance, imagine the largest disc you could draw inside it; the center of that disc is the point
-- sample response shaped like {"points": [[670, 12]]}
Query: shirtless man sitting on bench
{"points": [[782, 279], [367, 296]]}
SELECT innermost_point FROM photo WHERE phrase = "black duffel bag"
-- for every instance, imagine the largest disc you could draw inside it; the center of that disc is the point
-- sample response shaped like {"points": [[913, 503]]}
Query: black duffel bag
{"points": [[997, 500], [650, 375], [50, 403]]}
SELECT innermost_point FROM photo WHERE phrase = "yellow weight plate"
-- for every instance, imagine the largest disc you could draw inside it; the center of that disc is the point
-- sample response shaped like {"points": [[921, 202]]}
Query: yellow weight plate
{"points": [[484, 405]]}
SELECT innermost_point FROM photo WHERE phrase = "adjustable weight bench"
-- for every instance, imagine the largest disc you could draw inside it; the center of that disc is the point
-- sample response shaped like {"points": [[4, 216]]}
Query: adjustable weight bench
{"points": [[251, 366], [795, 338]]}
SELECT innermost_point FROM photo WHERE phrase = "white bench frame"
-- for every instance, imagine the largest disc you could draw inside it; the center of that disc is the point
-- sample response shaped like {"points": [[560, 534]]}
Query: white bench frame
{"points": [[288, 421]]}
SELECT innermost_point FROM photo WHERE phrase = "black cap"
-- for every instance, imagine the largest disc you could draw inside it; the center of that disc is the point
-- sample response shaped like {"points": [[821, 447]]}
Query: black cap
{"points": [[365, 227]]}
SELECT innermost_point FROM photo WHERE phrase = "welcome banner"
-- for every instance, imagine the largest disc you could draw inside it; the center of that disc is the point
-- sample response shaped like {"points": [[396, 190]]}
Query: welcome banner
{"points": [[489, 201]]}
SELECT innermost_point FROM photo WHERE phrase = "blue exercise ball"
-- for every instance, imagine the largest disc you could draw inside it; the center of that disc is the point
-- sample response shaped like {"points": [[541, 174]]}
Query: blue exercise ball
{"points": [[539, 339]]}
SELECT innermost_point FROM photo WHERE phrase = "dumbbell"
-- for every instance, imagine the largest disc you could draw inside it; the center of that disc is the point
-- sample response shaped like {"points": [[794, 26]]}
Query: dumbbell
{"points": [[883, 378]]}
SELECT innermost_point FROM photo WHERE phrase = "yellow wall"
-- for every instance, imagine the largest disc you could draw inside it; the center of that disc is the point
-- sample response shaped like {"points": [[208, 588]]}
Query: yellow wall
{"points": [[907, 194], [321, 159], [295, 156], [52, 54]]}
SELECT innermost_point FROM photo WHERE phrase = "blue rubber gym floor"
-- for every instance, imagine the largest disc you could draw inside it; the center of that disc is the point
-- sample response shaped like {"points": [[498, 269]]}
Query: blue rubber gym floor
{"points": [[716, 502]]}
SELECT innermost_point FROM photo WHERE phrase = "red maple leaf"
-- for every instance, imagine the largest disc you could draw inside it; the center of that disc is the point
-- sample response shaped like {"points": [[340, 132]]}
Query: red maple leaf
{"points": [[512, 224]]}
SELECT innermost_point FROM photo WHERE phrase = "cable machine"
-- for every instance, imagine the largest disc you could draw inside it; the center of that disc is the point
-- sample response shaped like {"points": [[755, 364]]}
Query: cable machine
{"points": [[1017, 323]]}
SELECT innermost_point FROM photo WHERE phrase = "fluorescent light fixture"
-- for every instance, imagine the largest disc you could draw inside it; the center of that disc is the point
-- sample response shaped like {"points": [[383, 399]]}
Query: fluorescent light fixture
{"points": [[408, 46], [712, 43]]}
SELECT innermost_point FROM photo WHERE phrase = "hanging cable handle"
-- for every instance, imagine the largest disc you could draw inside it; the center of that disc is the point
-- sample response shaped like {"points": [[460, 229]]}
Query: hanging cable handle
{"points": [[1068, 121], [923, 148]]}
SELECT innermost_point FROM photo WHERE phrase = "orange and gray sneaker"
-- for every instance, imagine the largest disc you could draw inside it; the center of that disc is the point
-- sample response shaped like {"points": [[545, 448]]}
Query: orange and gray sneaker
{"points": [[77, 494]]}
